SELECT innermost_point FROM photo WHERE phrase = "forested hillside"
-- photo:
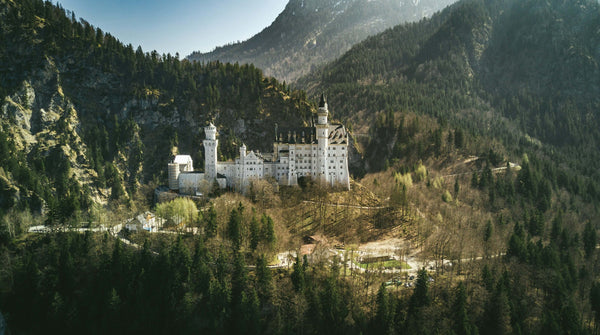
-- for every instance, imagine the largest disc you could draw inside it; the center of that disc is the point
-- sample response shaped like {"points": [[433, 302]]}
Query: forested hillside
{"points": [[477, 185], [93, 118], [309, 33], [521, 72]]}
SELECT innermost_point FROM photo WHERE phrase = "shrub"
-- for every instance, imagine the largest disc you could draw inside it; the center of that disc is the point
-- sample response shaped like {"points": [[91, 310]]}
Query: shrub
{"points": [[403, 179], [420, 172], [447, 197]]}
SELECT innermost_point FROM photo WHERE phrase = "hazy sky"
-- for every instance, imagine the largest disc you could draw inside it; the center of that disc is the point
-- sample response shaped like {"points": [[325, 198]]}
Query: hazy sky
{"points": [[177, 25]]}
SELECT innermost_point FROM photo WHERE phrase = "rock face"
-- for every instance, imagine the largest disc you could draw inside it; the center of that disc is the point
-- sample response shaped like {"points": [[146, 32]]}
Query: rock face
{"points": [[39, 118], [82, 113], [310, 33]]}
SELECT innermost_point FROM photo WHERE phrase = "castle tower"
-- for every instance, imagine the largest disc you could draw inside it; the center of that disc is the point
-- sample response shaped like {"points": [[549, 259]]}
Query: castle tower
{"points": [[210, 152], [242, 152], [323, 112], [322, 140], [173, 176]]}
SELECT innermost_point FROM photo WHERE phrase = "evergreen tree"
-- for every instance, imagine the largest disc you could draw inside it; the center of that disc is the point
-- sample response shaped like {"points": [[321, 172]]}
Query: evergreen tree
{"points": [[589, 239], [456, 187], [383, 321], [264, 284], [334, 309], [210, 224], [254, 233], [489, 229], [595, 302], [460, 315], [268, 231], [497, 319], [297, 276], [200, 270], [458, 138], [418, 300], [251, 313], [234, 226]]}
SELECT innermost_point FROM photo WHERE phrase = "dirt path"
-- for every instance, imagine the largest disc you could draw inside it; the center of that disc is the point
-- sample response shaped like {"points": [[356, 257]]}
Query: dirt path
{"points": [[343, 205]]}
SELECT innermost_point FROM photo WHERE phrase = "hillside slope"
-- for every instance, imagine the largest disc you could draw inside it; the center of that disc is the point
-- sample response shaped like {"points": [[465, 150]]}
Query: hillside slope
{"points": [[309, 33], [525, 72], [75, 100]]}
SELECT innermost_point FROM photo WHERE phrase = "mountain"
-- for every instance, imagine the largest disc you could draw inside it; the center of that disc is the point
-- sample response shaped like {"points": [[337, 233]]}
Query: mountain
{"points": [[522, 72], [479, 132], [85, 117], [309, 33]]}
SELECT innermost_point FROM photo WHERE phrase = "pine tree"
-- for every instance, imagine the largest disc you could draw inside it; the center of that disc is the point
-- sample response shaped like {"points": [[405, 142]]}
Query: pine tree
{"points": [[234, 226], [254, 233], [489, 229], [298, 275], [383, 321], [333, 307], [497, 315], [264, 284], [595, 302], [460, 315], [589, 239], [418, 300], [268, 232], [210, 224], [456, 187]]}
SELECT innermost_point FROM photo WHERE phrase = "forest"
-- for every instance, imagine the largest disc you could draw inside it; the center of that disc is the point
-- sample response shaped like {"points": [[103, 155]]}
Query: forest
{"points": [[70, 63], [488, 170]]}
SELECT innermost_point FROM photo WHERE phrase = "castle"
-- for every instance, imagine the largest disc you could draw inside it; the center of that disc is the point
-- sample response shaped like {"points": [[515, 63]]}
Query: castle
{"points": [[319, 153]]}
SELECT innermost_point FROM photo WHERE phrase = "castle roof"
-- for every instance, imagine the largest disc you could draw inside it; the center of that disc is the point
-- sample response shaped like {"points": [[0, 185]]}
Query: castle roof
{"points": [[296, 135], [322, 101], [308, 135], [182, 159], [253, 155], [337, 134]]}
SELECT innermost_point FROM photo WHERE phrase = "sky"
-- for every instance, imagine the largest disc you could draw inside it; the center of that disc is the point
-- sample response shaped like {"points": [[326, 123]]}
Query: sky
{"points": [[183, 26]]}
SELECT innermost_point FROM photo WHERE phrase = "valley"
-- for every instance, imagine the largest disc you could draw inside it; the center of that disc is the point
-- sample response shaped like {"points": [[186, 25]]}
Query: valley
{"points": [[471, 152]]}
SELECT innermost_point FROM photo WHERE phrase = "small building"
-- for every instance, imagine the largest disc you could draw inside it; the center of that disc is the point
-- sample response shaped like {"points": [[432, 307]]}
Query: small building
{"points": [[146, 221]]}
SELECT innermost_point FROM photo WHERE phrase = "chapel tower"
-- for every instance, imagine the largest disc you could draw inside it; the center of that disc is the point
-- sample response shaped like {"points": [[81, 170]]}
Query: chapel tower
{"points": [[322, 139], [210, 152]]}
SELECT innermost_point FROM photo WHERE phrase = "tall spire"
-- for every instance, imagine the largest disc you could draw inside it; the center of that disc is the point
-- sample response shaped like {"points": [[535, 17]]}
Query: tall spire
{"points": [[322, 112], [323, 101]]}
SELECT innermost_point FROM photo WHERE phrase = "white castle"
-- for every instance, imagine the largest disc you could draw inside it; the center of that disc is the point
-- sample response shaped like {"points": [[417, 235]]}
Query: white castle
{"points": [[319, 153]]}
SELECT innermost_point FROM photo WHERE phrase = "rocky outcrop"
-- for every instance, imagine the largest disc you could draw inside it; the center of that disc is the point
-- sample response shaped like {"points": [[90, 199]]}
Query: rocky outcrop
{"points": [[39, 118]]}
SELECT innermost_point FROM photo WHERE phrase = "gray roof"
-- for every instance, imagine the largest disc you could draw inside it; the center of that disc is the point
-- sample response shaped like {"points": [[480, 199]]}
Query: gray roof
{"points": [[337, 134], [308, 135]]}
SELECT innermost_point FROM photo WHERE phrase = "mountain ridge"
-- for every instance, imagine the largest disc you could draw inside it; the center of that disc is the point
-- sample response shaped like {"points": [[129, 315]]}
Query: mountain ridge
{"points": [[309, 33], [535, 64]]}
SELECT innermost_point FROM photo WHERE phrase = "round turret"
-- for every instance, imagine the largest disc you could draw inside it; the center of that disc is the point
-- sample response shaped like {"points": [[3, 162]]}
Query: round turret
{"points": [[243, 151], [211, 145], [211, 132], [173, 176], [323, 112]]}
